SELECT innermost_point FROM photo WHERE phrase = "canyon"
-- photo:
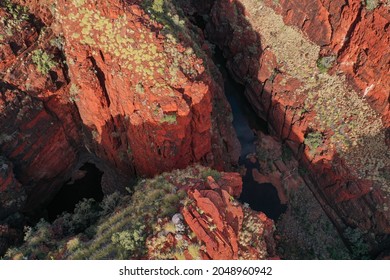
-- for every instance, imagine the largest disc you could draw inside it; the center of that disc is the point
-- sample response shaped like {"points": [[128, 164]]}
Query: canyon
{"points": [[133, 89]]}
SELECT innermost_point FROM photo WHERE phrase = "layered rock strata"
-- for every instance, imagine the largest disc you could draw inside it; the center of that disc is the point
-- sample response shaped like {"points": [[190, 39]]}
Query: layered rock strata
{"points": [[106, 83], [214, 225], [330, 125]]}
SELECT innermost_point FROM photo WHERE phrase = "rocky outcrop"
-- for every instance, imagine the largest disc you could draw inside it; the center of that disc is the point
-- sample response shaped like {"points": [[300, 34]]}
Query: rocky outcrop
{"points": [[191, 213], [214, 225], [338, 138], [354, 32], [144, 97], [228, 230], [105, 83], [38, 127]]}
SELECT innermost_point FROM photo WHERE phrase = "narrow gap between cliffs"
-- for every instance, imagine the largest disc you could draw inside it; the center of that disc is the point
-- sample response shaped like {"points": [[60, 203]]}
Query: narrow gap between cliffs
{"points": [[260, 196]]}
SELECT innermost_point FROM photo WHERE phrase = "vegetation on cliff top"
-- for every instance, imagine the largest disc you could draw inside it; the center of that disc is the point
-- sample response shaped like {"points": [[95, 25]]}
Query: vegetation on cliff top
{"points": [[117, 228], [125, 226], [355, 130], [138, 48], [13, 20]]}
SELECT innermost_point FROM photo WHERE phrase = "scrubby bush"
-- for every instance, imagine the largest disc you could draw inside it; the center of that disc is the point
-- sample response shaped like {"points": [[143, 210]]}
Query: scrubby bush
{"points": [[171, 119], [38, 241], [73, 244], [313, 140], [325, 63], [158, 6], [130, 240], [43, 61], [109, 203], [211, 172], [194, 251], [18, 13], [359, 247], [371, 4], [86, 213]]}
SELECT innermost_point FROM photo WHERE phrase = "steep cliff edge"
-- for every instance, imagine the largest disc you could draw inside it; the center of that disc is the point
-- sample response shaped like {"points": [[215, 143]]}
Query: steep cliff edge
{"points": [[39, 129], [129, 87], [331, 127], [106, 83], [185, 214], [356, 34], [141, 89]]}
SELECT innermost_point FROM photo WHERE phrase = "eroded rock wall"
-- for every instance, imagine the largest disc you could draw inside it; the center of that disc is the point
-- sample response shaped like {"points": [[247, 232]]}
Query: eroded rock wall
{"points": [[141, 90], [339, 139], [357, 33], [39, 130], [105, 82]]}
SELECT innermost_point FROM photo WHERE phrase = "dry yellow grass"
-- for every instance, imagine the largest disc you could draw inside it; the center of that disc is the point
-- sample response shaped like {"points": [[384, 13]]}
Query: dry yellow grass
{"points": [[359, 134]]}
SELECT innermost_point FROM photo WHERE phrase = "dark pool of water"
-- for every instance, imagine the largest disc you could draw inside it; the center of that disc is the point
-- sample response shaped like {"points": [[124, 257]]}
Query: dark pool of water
{"points": [[260, 197]]}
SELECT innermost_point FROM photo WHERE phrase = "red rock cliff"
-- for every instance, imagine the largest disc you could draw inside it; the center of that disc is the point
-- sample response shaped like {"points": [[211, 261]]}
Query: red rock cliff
{"points": [[357, 34], [105, 83], [329, 124], [145, 97], [39, 128], [214, 225]]}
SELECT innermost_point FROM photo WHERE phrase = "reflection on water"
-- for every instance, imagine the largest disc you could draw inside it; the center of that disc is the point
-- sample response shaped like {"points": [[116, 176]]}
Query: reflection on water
{"points": [[260, 197]]}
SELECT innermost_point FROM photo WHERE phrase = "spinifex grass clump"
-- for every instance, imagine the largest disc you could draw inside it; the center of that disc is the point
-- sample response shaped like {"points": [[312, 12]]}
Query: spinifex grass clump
{"points": [[325, 63], [314, 140], [44, 61]]}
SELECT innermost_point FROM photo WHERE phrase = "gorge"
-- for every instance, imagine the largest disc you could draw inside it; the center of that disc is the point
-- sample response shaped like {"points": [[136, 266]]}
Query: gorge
{"points": [[286, 101]]}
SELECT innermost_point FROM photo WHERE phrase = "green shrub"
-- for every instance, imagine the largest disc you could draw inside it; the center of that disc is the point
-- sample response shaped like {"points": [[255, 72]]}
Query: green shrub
{"points": [[86, 213], [139, 88], [39, 234], [171, 119], [73, 244], [130, 240], [325, 63], [371, 4], [74, 91], [158, 6], [43, 61], [211, 172], [58, 42], [78, 3], [109, 203], [18, 13], [313, 140], [194, 251], [359, 247]]}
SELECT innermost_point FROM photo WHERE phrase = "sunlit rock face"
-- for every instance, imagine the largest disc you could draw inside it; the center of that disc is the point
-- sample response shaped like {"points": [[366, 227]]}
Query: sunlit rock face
{"points": [[107, 83]]}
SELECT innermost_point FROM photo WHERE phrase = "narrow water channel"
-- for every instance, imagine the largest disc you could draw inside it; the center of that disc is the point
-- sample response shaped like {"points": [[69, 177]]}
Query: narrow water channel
{"points": [[260, 197]]}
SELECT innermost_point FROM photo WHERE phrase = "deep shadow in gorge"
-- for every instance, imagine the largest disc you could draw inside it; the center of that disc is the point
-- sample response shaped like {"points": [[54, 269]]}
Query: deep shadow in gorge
{"points": [[260, 196], [319, 172], [246, 60], [87, 184]]}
